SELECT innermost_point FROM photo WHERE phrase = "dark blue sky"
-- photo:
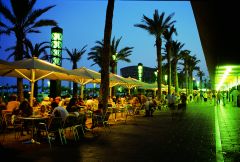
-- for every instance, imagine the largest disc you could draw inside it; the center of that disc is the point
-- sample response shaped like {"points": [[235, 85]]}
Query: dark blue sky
{"points": [[83, 24]]}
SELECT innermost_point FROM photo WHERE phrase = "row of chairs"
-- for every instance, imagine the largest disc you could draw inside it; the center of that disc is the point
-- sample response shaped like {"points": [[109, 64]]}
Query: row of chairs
{"points": [[57, 128], [9, 123]]}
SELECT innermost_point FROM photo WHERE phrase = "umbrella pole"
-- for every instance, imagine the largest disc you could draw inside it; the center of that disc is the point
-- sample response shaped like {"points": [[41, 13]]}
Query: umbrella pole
{"points": [[129, 91], [82, 87], [32, 87], [110, 93]]}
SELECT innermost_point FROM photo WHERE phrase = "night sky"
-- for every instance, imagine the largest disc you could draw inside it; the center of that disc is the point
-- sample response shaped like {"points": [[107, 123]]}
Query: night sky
{"points": [[83, 24]]}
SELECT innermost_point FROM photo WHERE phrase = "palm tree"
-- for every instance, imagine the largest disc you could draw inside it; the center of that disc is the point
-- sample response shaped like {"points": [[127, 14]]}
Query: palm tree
{"points": [[200, 74], [168, 47], [115, 54], [176, 54], [23, 19], [192, 66], [96, 53], [36, 50], [121, 55], [75, 55], [185, 56], [106, 54], [157, 26]]}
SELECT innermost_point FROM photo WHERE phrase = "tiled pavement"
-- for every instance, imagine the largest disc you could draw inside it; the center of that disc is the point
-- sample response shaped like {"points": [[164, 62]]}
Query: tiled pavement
{"points": [[158, 138]]}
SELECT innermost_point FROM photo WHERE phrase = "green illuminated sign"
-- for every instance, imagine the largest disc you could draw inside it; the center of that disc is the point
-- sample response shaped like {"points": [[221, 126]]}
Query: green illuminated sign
{"points": [[56, 45]]}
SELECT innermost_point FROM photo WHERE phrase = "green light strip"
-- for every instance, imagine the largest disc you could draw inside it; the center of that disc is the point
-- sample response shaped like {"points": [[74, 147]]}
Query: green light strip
{"points": [[227, 71], [219, 155]]}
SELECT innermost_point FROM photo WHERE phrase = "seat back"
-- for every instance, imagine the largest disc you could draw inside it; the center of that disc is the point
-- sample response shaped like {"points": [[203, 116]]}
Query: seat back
{"points": [[8, 121], [55, 123], [106, 115], [70, 121]]}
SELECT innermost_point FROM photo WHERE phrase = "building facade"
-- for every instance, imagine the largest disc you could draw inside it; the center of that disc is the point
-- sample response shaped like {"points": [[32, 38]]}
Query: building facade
{"points": [[146, 75]]}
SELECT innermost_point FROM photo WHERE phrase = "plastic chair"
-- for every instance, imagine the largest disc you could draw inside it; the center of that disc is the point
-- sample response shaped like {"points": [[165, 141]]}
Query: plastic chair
{"points": [[11, 123], [131, 112], [101, 120], [53, 128], [72, 123]]}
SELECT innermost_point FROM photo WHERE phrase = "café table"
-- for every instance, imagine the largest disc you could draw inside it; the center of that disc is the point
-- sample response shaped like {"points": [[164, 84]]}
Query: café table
{"points": [[33, 120]]}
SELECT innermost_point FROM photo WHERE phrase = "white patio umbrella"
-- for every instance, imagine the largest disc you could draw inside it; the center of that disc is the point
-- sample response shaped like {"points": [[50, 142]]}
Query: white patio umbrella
{"points": [[114, 80], [83, 76], [132, 82], [6, 65], [34, 69]]}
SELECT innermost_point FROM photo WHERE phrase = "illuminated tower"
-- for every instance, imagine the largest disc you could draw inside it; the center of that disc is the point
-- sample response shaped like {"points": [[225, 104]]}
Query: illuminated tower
{"points": [[56, 58], [140, 71], [56, 46]]}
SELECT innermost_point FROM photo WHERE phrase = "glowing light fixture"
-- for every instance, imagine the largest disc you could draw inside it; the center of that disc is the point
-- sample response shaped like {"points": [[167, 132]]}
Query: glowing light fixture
{"points": [[140, 71], [225, 75], [156, 74], [166, 77], [56, 45]]}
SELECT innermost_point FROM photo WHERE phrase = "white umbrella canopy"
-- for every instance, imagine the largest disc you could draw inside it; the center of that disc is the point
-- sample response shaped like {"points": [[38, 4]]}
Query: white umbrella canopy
{"points": [[131, 83], [83, 76], [115, 79], [34, 69], [5, 65]]}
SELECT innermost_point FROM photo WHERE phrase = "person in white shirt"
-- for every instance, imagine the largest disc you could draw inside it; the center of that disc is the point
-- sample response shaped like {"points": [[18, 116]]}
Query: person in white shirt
{"points": [[59, 111]]}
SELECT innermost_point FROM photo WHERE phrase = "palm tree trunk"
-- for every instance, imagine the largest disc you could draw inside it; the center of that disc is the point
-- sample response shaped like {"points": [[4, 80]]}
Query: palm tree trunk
{"points": [[106, 55], [42, 87], [113, 70], [175, 77], [36, 88], [19, 50], [200, 83], [20, 89], [191, 81], [159, 62], [75, 89], [186, 79], [75, 85], [169, 68]]}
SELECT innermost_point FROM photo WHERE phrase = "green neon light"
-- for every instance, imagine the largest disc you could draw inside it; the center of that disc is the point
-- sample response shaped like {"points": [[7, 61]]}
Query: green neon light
{"points": [[56, 48], [227, 71], [219, 155]]}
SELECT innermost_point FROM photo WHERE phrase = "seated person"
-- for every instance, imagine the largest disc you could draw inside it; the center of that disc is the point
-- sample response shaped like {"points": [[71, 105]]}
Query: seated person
{"points": [[43, 111], [24, 110], [80, 102], [72, 107], [59, 111], [46, 101], [97, 114], [13, 103]]}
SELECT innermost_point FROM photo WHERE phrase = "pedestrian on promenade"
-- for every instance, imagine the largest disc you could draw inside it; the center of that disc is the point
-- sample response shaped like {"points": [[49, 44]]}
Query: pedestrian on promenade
{"points": [[171, 98]]}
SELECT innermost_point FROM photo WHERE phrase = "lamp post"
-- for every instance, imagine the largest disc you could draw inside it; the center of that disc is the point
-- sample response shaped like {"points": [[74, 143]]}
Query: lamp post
{"points": [[56, 58]]}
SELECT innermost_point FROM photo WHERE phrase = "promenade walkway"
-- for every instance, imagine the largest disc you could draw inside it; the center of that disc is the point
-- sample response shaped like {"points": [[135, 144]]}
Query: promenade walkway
{"points": [[204, 134]]}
